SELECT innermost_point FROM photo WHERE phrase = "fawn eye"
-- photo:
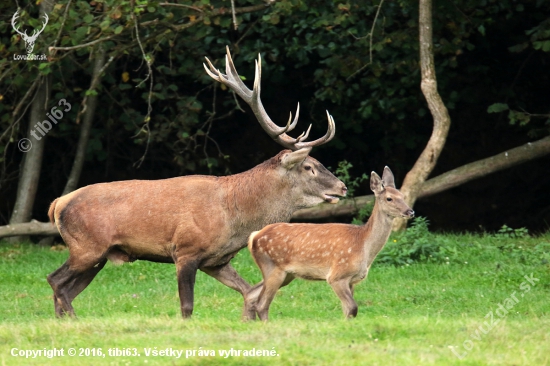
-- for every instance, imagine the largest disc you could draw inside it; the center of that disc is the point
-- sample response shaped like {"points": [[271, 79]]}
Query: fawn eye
{"points": [[307, 167], [389, 199]]}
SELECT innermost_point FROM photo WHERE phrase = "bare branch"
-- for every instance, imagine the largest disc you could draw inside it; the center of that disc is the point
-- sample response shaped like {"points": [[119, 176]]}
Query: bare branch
{"points": [[235, 25], [181, 6], [22, 102], [370, 42], [62, 23], [25, 97], [50, 49], [147, 118], [215, 12], [93, 85]]}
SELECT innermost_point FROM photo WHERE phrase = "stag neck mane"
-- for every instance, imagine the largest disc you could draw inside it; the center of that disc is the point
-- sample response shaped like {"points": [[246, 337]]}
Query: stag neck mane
{"points": [[261, 191]]}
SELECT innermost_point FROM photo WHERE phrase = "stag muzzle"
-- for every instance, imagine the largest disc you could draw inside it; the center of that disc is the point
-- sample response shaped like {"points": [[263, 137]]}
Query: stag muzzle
{"points": [[335, 197]]}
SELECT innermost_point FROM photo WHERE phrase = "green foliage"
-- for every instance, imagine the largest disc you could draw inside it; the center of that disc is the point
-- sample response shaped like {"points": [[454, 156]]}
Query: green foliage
{"points": [[343, 173], [363, 214], [416, 245], [507, 232], [513, 243], [497, 107], [514, 117], [538, 40]]}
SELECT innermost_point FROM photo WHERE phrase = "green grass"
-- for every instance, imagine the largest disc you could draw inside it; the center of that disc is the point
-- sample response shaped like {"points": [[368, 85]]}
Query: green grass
{"points": [[408, 315]]}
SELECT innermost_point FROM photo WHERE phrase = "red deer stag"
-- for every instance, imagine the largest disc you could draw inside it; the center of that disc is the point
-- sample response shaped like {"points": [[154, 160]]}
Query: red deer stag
{"points": [[337, 253], [196, 222]]}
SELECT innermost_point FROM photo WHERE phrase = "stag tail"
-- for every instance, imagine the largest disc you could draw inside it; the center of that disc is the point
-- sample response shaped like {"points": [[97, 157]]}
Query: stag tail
{"points": [[51, 211]]}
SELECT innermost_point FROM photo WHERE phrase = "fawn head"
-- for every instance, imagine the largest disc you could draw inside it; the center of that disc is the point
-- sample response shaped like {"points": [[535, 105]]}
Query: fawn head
{"points": [[388, 198]]}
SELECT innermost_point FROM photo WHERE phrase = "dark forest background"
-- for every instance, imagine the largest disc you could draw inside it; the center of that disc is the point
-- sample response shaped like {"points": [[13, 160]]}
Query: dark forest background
{"points": [[357, 59]]}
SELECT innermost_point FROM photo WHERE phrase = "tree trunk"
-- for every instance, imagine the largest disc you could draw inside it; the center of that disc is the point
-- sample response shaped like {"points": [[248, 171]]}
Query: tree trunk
{"points": [[442, 121], [445, 181], [32, 161], [91, 104]]}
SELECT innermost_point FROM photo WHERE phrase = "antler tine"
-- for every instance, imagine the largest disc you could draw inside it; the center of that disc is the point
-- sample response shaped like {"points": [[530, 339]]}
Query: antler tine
{"points": [[231, 80], [323, 140], [213, 72], [304, 135], [233, 76], [290, 126]]}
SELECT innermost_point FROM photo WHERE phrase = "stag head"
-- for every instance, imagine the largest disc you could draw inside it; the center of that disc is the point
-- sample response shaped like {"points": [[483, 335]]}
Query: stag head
{"points": [[29, 40]]}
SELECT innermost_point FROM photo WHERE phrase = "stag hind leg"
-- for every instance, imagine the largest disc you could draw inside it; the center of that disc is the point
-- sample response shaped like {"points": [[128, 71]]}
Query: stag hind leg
{"points": [[86, 259], [344, 291], [227, 275], [67, 283]]}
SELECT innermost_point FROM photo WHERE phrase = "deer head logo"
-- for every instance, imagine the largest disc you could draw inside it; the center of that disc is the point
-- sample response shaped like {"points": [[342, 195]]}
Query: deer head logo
{"points": [[29, 40]]}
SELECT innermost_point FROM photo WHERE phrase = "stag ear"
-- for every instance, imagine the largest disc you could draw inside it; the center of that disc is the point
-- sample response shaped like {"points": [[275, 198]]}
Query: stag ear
{"points": [[289, 160], [387, 178], [376, 183]]}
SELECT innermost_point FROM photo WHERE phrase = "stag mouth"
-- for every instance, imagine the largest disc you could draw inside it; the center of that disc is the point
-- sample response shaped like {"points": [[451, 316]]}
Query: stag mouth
{"points": [[331, 198]]}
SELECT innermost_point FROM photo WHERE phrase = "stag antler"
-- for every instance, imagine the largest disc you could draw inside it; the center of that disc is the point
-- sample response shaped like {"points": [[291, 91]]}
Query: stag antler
{"points": [[252, 97], [29, 40]]}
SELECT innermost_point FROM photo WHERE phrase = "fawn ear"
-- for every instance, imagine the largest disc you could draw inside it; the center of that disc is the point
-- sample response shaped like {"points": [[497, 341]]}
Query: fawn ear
{"points": [[387, 178], [376, 183], [289, 160]]}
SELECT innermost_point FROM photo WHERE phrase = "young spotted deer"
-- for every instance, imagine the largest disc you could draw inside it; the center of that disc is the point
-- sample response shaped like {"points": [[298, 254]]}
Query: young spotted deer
{"points": [[341, 254]]}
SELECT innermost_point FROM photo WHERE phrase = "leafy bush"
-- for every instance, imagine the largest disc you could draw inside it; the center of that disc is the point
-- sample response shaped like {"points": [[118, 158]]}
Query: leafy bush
{"points": [[509, 241], [416, 245], [363, 214], [508, 232]]}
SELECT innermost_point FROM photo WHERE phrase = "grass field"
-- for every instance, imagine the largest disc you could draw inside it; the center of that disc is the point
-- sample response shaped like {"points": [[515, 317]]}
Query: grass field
{"points": [[408, 315]]}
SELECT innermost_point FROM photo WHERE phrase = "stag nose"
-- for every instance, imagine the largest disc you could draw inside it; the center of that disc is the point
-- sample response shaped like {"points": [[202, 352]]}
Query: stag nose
{"points": [[410, 213], [344, 190]]}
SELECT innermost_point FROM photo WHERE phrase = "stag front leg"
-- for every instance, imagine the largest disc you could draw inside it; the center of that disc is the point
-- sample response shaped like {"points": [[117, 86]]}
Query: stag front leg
{"points": [[187, 271], [251, 301], [227, 275]]}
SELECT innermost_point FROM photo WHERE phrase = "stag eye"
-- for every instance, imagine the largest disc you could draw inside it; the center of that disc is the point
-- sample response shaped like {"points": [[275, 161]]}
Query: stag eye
{"points": [[389, 199], [307, 167]]}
